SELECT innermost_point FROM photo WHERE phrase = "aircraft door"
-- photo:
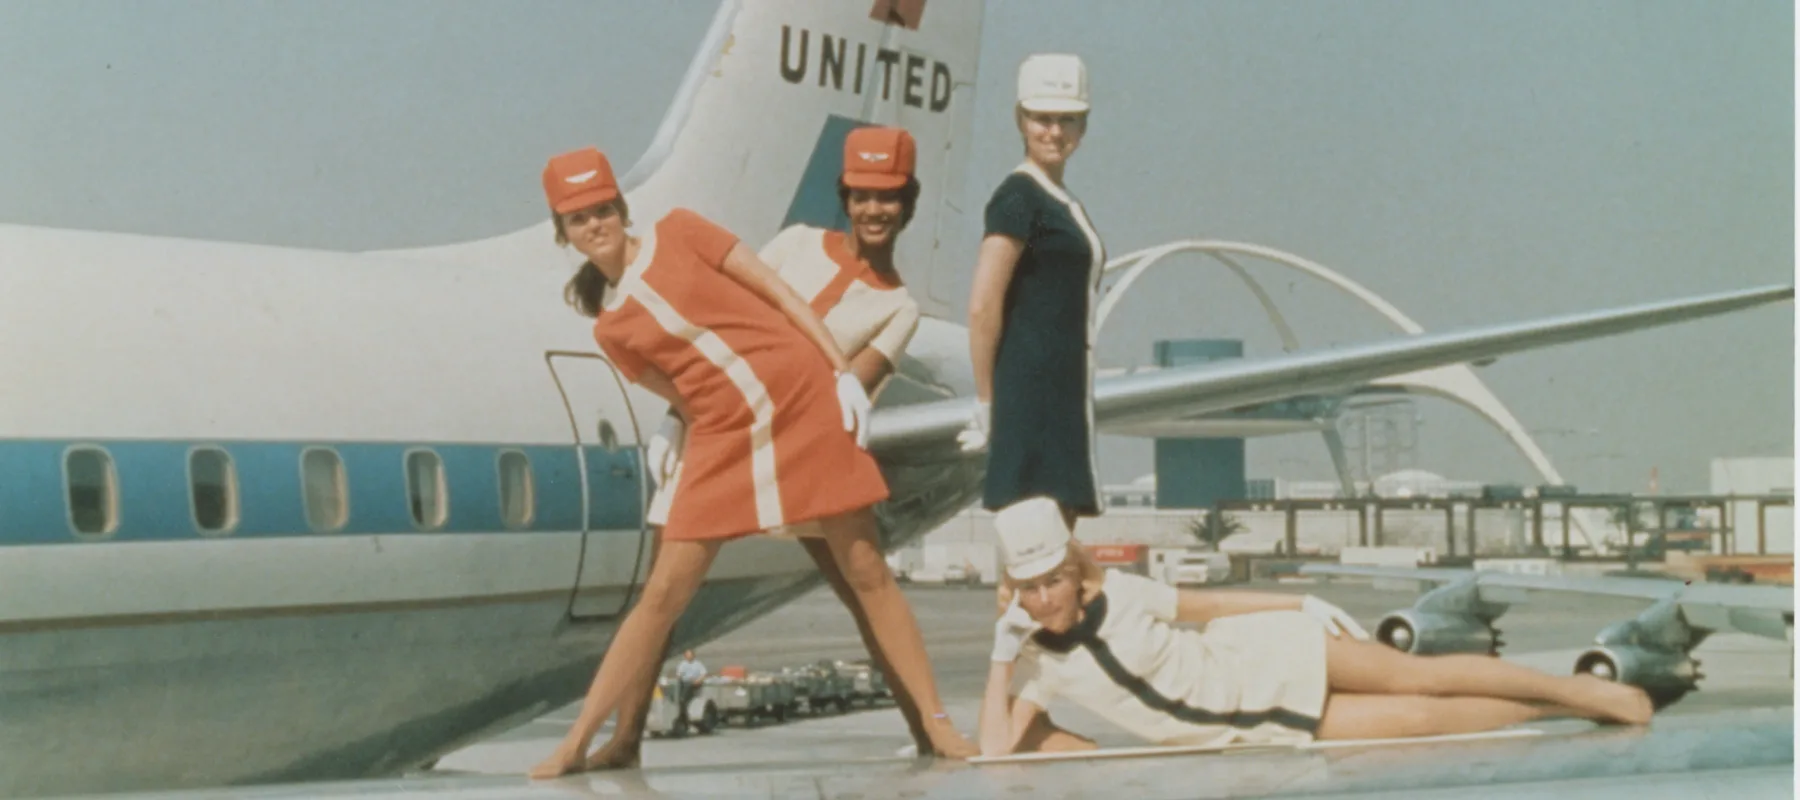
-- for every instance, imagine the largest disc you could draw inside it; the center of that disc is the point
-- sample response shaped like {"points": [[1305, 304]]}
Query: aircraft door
{"points": [[615, 550]]}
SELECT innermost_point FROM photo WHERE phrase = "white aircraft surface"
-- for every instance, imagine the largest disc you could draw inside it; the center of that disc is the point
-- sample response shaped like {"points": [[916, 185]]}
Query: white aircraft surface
{"points": [[273, 515]]}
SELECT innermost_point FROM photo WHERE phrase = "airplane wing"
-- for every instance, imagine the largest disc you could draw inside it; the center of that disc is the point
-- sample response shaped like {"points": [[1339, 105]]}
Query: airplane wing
{"points": [[1733, 753], [1766, 611], [1184, 391]]}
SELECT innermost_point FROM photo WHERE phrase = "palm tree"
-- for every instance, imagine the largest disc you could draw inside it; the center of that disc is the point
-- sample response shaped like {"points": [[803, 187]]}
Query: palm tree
{"points": [[1213, 527]]}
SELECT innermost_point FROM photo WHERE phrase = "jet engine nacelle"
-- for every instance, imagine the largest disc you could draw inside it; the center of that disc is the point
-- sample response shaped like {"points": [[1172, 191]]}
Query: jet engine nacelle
{"points": [[1666, 675], [1425, 633]]}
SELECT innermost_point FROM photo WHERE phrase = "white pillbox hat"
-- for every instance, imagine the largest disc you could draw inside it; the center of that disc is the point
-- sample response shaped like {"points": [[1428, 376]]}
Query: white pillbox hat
{"points": [[1053, 82], [1034, 539]]}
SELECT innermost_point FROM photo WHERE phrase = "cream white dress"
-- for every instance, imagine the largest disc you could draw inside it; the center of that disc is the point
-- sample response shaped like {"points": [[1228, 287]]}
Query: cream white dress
{"points": [[1251, 678], [857, 305]]}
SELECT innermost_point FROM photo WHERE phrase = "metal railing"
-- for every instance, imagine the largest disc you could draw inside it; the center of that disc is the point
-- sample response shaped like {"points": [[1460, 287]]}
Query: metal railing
{"points": [[1643, 526]]}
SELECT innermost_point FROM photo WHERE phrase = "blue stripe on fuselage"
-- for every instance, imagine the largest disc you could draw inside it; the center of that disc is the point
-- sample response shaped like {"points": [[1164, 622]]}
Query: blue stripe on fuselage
{"points": [[155, 500]]}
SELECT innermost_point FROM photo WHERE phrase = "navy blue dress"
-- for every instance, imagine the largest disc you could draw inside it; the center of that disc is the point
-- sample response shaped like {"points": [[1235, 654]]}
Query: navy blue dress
{"points": [[1041, 437]]}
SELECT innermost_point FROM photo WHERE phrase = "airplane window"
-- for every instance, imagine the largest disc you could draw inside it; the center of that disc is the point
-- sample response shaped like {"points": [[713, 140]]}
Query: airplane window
{"points": [[609, 438], [212, 482], [425, 489], [93, 487], [327, 493], [517, 493]]}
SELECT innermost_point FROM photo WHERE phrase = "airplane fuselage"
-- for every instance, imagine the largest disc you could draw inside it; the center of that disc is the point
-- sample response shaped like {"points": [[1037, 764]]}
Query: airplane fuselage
{"points": [[274, 515]]}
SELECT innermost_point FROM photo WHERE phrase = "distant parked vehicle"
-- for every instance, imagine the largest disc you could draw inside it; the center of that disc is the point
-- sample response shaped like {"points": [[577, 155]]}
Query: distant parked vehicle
{"points": [[819, 686], [754, 697], [1190, 567], [665, 720], [867, 684]]}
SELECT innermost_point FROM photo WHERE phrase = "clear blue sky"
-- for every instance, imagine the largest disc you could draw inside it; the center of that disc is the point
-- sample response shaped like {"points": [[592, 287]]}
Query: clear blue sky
{"points": [[1472, 162]]}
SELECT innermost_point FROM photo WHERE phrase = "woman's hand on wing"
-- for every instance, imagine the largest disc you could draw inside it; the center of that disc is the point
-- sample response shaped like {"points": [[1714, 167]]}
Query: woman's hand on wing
{"points": [[1337, 622]]}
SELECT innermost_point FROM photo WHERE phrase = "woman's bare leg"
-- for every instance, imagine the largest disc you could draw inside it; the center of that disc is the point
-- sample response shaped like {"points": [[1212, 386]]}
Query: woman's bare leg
{"points": [[852, 540], [1359, 667], [623, 750], [635, 652], [1387, 716], [821, 554]]}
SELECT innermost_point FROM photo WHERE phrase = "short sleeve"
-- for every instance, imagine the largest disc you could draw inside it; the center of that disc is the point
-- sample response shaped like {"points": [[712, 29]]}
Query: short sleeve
{"points": [[708, 240], [628, 362], [779, 252], [1029, 682], [893, 337], [1011, 210], [1156, 597]]}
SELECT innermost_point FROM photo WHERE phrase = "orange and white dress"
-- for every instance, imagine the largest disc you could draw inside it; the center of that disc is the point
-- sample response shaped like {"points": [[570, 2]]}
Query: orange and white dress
{"points": [[766, 445], [859, 306]]}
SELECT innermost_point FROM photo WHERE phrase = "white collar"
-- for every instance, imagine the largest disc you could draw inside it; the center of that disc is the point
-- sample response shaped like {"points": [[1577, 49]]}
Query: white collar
{"points": [[1038, 174]]}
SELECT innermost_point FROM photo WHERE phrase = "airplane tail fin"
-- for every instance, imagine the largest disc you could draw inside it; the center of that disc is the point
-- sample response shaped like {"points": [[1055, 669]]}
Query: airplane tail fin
{"points": [[754, 137]]}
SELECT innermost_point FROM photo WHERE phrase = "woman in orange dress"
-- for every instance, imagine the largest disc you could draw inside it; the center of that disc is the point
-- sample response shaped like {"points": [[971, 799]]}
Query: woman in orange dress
{"points": [[849, 278], [691, 313]]}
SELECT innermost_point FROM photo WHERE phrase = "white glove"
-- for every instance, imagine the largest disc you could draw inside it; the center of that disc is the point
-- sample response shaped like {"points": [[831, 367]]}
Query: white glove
{"points": [[664, 452], [855, 403], [1337, 622], [1010, 632], [974, 438]]}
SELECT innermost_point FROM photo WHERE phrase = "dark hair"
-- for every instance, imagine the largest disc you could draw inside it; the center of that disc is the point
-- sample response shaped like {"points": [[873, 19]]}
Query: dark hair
{"points": [[587, 289], [909, 200]]}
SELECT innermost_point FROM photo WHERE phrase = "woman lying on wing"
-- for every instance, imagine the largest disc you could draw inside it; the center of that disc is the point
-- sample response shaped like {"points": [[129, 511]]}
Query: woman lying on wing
{"points": [[1268, 669]]}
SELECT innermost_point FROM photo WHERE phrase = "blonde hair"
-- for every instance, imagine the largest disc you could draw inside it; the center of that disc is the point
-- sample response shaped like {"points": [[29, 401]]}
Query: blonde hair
{"points": [[1078, 565]]}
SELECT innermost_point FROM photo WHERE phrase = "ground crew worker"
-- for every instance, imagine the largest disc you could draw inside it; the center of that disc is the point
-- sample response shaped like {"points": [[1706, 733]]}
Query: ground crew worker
{"points": [[688, 675]]}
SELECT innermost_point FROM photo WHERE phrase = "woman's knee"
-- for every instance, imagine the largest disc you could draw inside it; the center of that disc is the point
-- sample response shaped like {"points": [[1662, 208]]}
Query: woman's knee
{"points": [[865, 570], [858, 556]]}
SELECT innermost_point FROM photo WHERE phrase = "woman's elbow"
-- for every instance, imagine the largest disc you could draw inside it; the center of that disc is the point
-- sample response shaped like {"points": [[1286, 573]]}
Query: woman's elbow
{"points": [[983, 316]]}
